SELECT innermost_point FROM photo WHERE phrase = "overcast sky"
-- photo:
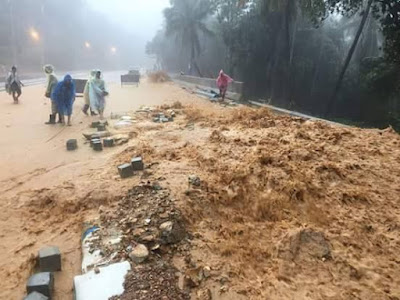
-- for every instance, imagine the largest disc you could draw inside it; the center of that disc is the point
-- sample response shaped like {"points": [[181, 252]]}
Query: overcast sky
{"points": [[141, 17]]}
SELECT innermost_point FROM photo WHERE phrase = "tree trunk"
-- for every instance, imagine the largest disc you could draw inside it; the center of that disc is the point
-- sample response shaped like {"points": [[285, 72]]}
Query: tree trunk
{"points": [[349, 57]]}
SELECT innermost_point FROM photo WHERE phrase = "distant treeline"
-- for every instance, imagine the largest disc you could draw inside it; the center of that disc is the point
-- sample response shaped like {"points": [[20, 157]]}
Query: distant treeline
{"points": [[336, 59]]}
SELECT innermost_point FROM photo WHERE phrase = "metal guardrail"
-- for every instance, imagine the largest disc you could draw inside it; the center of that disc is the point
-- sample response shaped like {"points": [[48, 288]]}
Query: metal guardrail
{"points": [[37, 81]]}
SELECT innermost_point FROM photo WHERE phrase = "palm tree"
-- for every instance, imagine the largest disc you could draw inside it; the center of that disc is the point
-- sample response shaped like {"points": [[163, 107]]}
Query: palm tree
{"points": [[364, 19], [186, 20]]}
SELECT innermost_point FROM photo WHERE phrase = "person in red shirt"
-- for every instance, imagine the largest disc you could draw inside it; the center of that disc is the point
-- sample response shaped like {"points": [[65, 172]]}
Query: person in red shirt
{"points": [[223, 81]]}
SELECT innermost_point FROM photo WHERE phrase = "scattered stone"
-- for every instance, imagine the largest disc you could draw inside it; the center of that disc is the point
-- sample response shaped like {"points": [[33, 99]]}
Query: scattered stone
{"points": [[120, 139], [109, 142], [171, 232], [72, 145], [138, 232], [156, 281], [36, 296], [42, 283], [189, 282], [148, 238], [155, 247], [50, 259], [204, 294], [97, 270], [306, 244], [194, 180], [125, 170], [137, 164], [139, 253], [206, 272]]}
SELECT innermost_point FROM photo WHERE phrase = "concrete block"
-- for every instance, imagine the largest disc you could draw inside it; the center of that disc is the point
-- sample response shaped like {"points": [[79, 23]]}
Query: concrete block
{"points": [[137, 164], [72, 145], [101, 127], [42, 283], [50, 259], [97, 145], [103, 122], [125, 170], [109, 142], [94, 140], [95, 124], [36, 296]]}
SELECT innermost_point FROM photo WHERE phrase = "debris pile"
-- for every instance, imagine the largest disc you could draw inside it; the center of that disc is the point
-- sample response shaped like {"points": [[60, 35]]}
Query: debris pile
{"points": [[147, 230], [159, 77]]}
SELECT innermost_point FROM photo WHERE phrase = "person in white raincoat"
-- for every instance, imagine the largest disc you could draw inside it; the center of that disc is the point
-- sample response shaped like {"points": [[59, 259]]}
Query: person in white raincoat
{"points": [[97, 94]]}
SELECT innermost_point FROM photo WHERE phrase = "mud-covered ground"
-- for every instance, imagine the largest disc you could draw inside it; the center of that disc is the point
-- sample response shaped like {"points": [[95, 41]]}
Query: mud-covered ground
{"points": [[284, 208]]}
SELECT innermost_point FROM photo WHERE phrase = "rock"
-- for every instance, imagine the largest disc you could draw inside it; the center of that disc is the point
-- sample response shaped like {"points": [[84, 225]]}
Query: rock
{"points": [[206, 272], [148, 238], [305, 244], [194, 180], [171, 232], [138, 232], [139, 254], [189, 283], [204, 294], [97, 270]]}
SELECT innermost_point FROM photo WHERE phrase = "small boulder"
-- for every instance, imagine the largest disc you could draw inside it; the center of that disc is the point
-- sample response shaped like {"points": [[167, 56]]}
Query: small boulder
{"points": [[171, 232], [139, 254]]}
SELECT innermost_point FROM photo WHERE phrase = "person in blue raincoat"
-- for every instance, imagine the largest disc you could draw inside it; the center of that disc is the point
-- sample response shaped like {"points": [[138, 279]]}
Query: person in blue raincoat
{"points": [[64, 96]]}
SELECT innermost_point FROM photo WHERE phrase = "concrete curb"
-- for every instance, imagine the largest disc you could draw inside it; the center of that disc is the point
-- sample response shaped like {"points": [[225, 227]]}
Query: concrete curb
{"points": [[294, 113]]}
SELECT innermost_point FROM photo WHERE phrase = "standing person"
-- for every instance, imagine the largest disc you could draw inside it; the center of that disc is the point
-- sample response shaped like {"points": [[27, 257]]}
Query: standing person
{"points": [[86, 95], [223, 81], [97, 94], [52, 82], [64, 95], [13, 84]]}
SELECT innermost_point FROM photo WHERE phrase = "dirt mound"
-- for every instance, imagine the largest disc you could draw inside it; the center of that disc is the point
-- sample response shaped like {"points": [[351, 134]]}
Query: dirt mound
{"points": [[159, 77]]}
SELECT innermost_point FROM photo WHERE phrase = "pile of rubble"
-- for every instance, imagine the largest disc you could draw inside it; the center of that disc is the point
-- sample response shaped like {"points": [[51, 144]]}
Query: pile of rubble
{"points": [[146, 229]]}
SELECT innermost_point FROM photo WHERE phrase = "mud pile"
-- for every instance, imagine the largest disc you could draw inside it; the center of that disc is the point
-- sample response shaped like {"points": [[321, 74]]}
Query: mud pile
{"points": [[276, 184], [285, 205], [159, 77]]}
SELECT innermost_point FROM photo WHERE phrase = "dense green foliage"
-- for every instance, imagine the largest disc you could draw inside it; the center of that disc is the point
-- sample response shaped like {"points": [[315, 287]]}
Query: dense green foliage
{"points": [[292, 53]]}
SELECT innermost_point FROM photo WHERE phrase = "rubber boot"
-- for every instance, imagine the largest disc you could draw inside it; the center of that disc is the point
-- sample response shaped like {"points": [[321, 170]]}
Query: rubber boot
{"points": [[52, 120], [92, 113], [85, 109], [60, 120]]}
